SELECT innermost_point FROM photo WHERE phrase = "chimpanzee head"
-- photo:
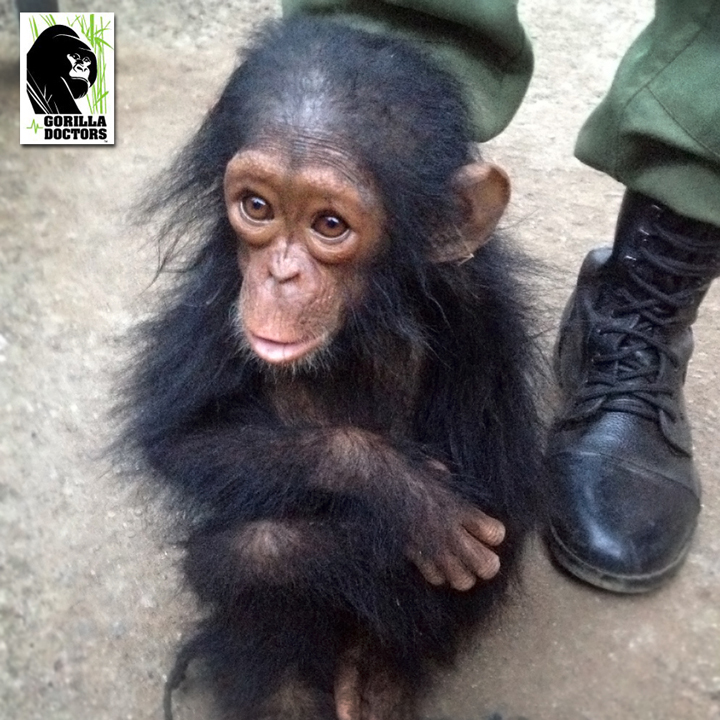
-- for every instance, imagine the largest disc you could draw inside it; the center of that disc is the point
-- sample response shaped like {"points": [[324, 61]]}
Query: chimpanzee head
{"points": [[348, 171]]}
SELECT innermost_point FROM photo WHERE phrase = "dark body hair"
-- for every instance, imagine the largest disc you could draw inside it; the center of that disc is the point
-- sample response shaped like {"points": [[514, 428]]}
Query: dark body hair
{"points": [[435, 362]]}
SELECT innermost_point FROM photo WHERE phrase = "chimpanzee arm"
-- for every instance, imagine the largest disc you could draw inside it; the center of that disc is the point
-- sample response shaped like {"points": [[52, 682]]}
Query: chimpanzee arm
{"points": [[240, 474]]}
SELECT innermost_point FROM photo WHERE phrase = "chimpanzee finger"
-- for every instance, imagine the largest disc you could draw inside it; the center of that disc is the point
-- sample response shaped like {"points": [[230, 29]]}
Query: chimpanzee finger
{"points": [[347, 694], [459, 577], [485, 528], [478, 558], [437, 465], [429, 569]]}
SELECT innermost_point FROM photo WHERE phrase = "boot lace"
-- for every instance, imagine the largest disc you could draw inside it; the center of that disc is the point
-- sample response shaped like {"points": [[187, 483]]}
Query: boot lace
{"points": [[634, 377]]}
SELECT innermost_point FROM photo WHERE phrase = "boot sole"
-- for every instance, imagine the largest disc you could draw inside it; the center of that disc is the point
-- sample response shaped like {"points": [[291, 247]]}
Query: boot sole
{"points": [[625, 584]]}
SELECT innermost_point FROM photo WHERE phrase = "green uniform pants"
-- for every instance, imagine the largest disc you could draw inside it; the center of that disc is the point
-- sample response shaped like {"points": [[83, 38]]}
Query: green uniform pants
{"points": [[658, 129]]}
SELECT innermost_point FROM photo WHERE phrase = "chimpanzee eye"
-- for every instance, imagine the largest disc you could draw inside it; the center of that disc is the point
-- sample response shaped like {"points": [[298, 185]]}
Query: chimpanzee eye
{"points": [[256, 207], [331, 227]]}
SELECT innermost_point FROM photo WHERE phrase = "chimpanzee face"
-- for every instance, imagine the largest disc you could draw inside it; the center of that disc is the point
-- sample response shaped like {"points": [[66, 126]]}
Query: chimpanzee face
{"points": [[309, 222]]}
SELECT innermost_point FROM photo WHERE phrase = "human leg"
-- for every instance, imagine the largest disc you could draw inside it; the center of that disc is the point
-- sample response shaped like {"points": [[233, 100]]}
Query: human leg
{"points": [[625, 494]]}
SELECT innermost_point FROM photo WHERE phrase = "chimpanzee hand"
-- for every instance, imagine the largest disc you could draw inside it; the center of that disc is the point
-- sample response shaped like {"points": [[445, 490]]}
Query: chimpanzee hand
{"points": [[459, 552]]}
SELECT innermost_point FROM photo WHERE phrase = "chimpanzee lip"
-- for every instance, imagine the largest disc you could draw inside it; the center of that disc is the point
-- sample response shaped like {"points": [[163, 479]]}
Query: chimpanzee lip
{"points": [[282, 353]]}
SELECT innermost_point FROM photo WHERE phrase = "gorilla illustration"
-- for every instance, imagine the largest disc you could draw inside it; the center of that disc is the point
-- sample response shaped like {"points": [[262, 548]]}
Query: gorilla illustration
{"points": [[60, 69]]}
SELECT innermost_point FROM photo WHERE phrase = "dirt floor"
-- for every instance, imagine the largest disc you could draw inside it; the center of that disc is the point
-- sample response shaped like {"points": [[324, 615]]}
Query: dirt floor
{"points": [[90, 607]]}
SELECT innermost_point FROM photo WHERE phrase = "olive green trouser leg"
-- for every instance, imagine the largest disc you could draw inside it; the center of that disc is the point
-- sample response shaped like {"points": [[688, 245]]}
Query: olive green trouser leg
{"points": [[658, 129]]}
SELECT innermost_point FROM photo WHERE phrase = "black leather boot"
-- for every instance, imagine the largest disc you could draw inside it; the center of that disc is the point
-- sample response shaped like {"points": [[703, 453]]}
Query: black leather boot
{"points": [[625, 494]]}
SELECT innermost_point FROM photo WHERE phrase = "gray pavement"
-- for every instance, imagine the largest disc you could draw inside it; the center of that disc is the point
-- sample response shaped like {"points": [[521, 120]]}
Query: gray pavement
{"points": [[90, 604]]}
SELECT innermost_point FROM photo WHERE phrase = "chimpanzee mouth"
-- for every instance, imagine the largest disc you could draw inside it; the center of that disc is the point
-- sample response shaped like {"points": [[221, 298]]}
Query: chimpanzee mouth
{"points": [[283, 353]]}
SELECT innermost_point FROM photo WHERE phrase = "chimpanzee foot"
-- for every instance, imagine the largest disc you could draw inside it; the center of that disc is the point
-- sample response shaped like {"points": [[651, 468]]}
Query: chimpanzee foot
{"points": [[347, 693], [355, 700]]}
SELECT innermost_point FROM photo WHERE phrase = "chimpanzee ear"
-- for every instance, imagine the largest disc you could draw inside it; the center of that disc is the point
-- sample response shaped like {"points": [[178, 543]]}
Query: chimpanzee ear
{"points": [[483, 191]]}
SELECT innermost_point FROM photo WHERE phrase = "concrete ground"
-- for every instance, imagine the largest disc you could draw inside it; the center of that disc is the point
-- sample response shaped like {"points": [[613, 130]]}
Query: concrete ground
{"points": [[90, 607]]}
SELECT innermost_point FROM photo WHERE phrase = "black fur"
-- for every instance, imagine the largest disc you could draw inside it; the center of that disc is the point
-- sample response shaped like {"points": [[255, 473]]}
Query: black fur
{"points": [[435, 363]]}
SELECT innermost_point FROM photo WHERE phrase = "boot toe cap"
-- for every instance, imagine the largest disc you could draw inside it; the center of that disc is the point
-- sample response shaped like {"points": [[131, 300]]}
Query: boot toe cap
{"points": [[617, 524]]}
